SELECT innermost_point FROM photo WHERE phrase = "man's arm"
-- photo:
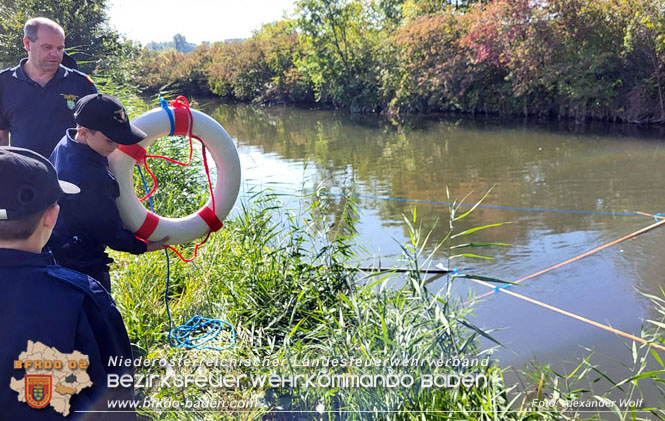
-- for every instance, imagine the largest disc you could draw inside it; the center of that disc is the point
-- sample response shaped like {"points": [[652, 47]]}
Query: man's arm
{"points": [[4, 137]]}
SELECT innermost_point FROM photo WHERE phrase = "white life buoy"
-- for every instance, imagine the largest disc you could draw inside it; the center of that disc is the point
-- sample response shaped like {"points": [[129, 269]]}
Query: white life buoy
{"points": [[176, 121]]}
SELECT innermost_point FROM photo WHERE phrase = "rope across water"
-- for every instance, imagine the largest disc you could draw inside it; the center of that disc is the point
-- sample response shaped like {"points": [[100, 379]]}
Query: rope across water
{"points": [[434, 202]]}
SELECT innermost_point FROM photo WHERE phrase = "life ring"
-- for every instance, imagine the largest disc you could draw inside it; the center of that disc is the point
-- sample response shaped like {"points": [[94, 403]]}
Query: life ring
{"points": [[175, 121]]}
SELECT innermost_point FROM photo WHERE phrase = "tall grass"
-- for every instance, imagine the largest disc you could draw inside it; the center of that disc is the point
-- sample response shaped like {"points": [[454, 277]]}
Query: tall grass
{"points": [[294, 295]]}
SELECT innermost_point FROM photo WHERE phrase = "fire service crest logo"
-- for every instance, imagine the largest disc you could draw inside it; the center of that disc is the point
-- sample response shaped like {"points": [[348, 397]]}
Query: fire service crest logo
{"points": [[38, 389]]}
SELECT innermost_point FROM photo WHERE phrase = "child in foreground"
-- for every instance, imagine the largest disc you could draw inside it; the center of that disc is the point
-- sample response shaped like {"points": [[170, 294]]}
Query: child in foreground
{"points": [[48, 310]]}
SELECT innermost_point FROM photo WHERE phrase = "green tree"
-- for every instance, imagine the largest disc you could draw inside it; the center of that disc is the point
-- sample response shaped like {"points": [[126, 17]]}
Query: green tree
{"points": [[85, 24], [430, 73], [644, 47], [412, 9], [342, 39], [261, 69]]}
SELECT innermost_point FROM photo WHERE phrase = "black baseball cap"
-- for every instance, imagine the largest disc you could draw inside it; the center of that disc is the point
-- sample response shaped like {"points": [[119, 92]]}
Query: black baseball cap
{"points": [[29, 183], [106, 114]]}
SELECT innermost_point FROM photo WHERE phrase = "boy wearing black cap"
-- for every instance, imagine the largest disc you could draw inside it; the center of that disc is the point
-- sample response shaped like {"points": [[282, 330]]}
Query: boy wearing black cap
{"points": [[60, 309], [90, 221]]}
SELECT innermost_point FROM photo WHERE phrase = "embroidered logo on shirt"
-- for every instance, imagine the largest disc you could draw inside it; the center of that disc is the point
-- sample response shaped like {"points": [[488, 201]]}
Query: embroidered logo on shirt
{"points": [[71, 100]]}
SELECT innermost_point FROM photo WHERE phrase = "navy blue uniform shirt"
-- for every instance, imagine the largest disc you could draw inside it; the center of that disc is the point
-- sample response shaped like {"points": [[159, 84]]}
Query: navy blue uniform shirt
{"points": [[37, 117], [88, 221], [65, 310]]}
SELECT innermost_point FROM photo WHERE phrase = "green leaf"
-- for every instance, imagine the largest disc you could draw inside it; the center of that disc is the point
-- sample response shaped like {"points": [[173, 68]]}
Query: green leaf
{"points": [[480, 332], [659, 324], [657, 357], [485, 278], [475, 256], [345, 299], [472, 230], [476, 205], [295, 328], [648, 374]]}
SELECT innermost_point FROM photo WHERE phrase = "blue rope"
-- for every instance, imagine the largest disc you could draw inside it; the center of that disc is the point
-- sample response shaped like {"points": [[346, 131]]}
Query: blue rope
{"points": [[198, 330], [165, 106], [657, 216], [432, 202], [496, 289], [198, 325]]}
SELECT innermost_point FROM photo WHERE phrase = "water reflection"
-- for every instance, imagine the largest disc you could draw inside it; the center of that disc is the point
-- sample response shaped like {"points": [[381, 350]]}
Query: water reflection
{"points": [[559, 165]]}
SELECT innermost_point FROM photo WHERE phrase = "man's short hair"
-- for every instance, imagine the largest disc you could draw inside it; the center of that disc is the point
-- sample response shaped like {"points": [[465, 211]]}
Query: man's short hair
{"points": [[32, 26], [21, 229]]}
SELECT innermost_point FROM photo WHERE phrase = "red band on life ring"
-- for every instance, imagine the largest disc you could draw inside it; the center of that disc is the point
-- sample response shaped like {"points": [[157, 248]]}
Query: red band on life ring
{"points": [[181, 121], [135, 151], [210, 218], [149, 226]]}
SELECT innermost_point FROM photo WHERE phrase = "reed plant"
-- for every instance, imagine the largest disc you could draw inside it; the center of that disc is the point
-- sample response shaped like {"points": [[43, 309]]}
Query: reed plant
{"points": [[289, 284]]}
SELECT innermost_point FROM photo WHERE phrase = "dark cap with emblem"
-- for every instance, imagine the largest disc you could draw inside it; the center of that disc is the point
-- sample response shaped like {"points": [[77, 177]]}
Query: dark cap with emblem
{"points": [[107, 115], [29, 183]]}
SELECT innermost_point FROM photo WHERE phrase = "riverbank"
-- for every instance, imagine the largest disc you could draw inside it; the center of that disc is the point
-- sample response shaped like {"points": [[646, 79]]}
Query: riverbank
{"points": [[312, 335], [316, 338]]}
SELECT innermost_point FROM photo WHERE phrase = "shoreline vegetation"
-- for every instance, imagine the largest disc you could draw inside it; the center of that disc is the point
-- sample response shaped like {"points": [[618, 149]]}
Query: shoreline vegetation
{"points": [[558, 59], [281, 275], [316, 340]]}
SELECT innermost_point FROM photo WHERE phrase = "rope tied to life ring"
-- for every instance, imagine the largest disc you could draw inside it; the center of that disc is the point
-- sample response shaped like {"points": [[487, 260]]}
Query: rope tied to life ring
{"points": [[181, 120]]}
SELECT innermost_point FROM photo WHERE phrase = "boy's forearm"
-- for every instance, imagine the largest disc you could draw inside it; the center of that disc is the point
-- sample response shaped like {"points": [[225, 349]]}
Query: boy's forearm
{"points": [[126, 241]]}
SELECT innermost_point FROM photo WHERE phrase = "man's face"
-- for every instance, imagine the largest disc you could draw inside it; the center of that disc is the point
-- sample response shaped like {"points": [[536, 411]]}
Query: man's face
{"points": [[46, 52], [100, 143]]}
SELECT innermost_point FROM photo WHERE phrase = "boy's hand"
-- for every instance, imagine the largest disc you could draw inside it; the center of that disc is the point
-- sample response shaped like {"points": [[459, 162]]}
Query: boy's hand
{"points": [[157, 245]]}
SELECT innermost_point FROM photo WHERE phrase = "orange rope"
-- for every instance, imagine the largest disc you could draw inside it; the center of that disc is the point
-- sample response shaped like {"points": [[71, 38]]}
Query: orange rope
{"points": [[576, 258], [651, 215], [574, 316]]}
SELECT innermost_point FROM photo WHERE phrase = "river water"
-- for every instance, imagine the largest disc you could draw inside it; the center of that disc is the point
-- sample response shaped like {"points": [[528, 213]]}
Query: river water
{"points": [[602, 172]]}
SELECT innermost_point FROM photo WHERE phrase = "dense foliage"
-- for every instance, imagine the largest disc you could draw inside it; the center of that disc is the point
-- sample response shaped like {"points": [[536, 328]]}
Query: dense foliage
{"points": [[88, 37], [601, 59], [581, 59]]}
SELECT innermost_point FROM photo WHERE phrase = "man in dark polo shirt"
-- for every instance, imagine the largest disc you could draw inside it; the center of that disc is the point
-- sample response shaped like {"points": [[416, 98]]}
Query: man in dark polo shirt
{"points": [[38, 97]]}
